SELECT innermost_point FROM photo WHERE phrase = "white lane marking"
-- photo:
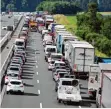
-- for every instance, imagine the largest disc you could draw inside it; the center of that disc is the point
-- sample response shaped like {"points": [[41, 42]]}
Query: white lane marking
{"points": [[36, 66], [37, 81], [40, 105], [39, 92], [37, 73], [79, 106]]}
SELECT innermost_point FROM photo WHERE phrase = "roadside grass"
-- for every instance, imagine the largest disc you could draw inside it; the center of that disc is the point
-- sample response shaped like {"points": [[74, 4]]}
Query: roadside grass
{"points": [[70, 23]]}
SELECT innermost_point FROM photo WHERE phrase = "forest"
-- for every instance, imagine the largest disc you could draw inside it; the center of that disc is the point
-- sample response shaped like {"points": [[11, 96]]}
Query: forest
{"points": [[30, 5]]}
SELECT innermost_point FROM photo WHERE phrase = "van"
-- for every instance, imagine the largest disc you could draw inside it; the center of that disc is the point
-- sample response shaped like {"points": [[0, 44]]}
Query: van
{"points": [[19, 43]]}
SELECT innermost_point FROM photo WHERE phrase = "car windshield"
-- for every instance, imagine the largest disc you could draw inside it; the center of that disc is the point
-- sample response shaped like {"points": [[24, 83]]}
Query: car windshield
{"points": [[12, 75], [61, 70], [50, 18], [61, 74], [15, 82], [56, 56], [19, 43], [68, 83], [12, 68], [51, 50]]}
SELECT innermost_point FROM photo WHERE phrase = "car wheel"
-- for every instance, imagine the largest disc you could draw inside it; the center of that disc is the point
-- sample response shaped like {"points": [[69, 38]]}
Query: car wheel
{"points": [[56, 90], [22, 93], [59, 101], [7, 92]]}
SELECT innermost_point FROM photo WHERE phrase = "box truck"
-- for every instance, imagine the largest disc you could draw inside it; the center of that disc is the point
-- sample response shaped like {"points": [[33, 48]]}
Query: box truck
{"points": [[80, 55], [94, 70], [104, 68], [106, 91]]}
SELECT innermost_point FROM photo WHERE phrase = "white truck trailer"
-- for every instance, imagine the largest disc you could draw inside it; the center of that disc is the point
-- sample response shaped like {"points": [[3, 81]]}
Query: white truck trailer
{"points": [[80, 55], [106, 91], [103, 95]]}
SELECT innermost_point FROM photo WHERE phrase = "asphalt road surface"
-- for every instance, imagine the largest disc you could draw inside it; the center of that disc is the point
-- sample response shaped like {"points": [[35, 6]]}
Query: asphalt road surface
{"points": [[5, 21], [39, 88]]}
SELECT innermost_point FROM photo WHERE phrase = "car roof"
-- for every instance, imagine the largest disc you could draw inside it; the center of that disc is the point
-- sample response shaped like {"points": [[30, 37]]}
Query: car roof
{"points": [[63, 72], [60, 62], [66, 79], [18, 39], [50, 46], [18, 80], [56, 54]]}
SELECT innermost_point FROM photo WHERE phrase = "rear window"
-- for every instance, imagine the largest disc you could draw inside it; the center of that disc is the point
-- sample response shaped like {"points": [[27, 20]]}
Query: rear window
{"points": [[56, 56], [19, 43], [52, 62], [51, 49], [12, 75], [59, 64], [68, 83], [61, 75], [15, 82], [14, 69]]}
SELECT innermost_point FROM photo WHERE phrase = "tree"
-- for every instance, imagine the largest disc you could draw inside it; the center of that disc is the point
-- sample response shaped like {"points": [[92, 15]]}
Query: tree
{"points": [[10, 7]]}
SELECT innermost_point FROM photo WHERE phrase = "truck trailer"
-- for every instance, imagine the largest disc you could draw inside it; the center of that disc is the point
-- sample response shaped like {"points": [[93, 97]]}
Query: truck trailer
{"points": [[80, 55]]}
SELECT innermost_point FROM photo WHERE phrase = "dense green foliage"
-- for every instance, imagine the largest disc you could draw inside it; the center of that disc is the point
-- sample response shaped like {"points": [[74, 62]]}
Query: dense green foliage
{"points": [[30, 5], [95, 29], [58, 7]]}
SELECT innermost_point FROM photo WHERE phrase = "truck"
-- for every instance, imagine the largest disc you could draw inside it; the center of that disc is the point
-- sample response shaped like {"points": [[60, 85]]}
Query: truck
{"points": [[94, 70], [80, 55], [61, 39], [33, 25], [106, 91], [104, 88]]}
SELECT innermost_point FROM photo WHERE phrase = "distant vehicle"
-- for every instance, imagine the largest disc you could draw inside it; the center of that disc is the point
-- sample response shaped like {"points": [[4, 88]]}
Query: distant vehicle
{"points": [[68, 90], [15, 85], [4, 28]]}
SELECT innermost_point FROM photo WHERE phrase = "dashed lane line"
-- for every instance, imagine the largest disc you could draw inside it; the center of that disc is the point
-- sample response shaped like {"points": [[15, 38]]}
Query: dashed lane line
{"points": [[40, 105], [37, 81], [39, 92], [37, 73], [79, 106]]}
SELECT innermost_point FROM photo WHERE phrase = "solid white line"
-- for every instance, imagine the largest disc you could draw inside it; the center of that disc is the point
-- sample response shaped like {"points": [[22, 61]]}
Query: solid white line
{"points": [[37, 81], [40, 105], [79, 106], [39, 92], [37, 73]]}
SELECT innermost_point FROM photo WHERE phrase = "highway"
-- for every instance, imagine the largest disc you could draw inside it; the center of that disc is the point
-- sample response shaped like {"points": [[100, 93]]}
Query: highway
{"points": [[5, 21], [39, 85]]}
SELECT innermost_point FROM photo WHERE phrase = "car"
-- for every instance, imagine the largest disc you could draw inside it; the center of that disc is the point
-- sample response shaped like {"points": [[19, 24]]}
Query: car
{"points": [[12, 69], [4, 28], [59, 68], [11, 76], [58, 75], [59, 63], [33, 29], [20, 55], [51, 65], [20, 51], [55, 56], [15, 85], [68, 90], [18, 61]]}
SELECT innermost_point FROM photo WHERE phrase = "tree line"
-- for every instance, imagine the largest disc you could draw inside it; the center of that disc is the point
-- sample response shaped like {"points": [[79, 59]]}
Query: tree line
{"points": [[95, 28], [30, 5]]}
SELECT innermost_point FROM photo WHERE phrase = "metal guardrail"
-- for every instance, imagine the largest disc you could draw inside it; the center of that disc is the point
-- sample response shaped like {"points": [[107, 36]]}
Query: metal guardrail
{"points": [[9, 34], [5, 64]]}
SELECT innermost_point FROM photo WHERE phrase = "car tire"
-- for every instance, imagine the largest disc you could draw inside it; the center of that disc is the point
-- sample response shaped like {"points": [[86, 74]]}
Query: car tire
{"points": [[22, 93], [59, 101], [56, 90], [7, 92]]}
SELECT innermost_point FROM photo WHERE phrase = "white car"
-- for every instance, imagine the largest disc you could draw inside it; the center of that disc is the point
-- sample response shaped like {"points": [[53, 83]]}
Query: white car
{"points": [[59, 63], [10, 76], [12, 69], [15, 85], [55, 56], [51, 65], [4, 28], [68, 90]]}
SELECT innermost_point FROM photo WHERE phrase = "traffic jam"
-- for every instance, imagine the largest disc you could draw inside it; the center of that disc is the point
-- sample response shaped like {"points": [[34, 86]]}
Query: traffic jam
{"points": [[69, 60]]}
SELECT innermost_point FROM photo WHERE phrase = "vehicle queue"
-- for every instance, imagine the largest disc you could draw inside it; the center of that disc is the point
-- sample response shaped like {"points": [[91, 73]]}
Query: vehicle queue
{"points": [[68, 58]]}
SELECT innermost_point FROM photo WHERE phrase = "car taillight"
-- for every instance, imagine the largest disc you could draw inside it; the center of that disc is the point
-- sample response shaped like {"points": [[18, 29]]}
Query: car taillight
{"points": [[89, 92], [9, 85], [6, 77], [21, 86]]}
